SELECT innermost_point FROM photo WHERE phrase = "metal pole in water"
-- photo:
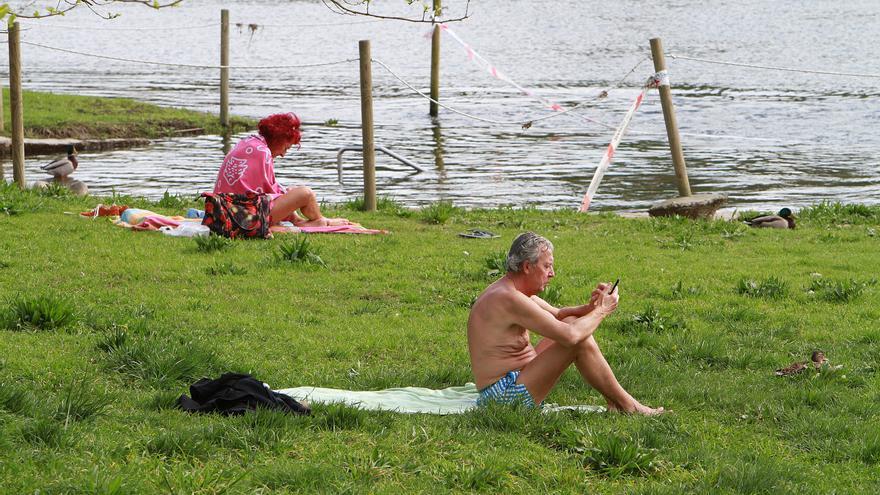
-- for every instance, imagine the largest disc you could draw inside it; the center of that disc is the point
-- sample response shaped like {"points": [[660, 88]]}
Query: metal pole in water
{"points": [[435, 65], [369, 149], [224, 69], [684, 187], [15, 105]]}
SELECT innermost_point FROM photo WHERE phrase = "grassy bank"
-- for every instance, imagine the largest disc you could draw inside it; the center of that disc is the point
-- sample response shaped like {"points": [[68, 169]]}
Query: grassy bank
{"points": [[708, 311], [48, 115]]}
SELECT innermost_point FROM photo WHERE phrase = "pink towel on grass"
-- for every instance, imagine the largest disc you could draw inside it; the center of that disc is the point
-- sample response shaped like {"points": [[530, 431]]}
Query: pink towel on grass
{"points": [[155, 222], [341, 229], [330, 229]]}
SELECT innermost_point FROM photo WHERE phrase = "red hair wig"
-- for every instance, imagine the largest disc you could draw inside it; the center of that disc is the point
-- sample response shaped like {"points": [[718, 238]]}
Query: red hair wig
{"points": [[280, 127]]}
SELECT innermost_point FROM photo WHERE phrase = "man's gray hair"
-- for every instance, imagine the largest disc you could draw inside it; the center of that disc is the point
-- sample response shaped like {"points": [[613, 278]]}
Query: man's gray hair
{"points": [[526, 247]]}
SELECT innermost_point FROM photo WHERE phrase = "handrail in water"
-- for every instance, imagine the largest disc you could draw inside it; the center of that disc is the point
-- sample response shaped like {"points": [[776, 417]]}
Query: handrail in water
{"points": [[383, 149]]}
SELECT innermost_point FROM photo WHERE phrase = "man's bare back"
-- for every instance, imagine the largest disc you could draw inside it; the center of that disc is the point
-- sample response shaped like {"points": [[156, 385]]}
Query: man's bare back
{"points": [[496, 343]]}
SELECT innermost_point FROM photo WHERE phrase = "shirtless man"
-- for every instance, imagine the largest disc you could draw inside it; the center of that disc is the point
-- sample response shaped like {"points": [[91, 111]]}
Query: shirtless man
{"points": [[506, 367]]}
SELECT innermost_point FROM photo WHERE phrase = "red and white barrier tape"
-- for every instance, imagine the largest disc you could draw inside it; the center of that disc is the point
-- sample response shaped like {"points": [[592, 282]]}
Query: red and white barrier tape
{"points": [[655, 81], [491, 69], [557, 109]]}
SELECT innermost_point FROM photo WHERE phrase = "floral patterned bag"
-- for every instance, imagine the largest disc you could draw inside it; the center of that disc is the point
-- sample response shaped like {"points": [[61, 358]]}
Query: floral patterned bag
{"points": [[237, 215]]}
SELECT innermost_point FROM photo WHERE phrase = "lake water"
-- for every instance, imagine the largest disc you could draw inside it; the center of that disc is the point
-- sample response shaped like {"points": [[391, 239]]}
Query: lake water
{"points": [[767, 138]]}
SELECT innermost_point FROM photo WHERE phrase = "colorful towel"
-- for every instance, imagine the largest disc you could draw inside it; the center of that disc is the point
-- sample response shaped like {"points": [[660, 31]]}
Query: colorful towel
{"points": [[137, 219], [105, 211], [452, 400]]}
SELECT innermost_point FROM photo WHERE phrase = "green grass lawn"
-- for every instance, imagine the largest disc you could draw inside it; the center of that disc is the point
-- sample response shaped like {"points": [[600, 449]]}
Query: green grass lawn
{"points": [[49, 115], [121, 322]]}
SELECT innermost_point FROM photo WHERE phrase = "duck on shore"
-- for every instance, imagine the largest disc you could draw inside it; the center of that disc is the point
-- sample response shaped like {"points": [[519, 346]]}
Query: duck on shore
{"points": [[60, 170], [783, 220]]}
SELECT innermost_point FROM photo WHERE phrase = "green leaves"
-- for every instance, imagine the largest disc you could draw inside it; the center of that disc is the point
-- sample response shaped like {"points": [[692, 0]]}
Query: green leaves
{"points": [[769, 288], [299, 251], [42, 312], [211, 243]]}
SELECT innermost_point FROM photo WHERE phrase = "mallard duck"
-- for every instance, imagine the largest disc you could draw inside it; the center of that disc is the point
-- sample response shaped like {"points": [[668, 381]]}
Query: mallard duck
{"points": [[64, 166], [783, 220], [817, 358]]}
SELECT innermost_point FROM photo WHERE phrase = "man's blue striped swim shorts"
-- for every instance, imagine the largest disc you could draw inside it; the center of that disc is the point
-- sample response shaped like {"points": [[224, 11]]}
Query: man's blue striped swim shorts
{"points": [[506, 391]]}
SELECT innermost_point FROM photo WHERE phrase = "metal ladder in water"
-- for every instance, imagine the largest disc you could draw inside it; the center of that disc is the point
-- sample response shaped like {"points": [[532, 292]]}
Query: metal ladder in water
{"points": [[383, 149]]}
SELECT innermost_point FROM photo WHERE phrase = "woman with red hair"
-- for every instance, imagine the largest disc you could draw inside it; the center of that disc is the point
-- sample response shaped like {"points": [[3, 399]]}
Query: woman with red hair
{"points": [[250, 167]]}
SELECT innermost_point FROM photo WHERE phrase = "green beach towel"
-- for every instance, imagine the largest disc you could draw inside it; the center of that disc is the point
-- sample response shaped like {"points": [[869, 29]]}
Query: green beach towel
{"points": [[452, 400]]}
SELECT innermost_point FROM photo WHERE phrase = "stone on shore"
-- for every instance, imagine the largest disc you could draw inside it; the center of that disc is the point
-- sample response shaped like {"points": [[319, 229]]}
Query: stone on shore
{"points": [[77, 187], [698, 206]]}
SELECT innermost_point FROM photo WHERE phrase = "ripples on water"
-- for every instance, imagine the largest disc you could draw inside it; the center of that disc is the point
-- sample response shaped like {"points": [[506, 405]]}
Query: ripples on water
{"points": [[766, 138]]}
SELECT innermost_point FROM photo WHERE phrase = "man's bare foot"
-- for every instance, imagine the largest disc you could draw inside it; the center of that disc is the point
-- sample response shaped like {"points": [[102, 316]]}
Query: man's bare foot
{"points": [[648, 411], [636, 408]]}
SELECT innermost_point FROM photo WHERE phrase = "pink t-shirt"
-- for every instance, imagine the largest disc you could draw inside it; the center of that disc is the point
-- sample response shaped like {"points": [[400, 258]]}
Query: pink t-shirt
{"points": [[249, 167]]}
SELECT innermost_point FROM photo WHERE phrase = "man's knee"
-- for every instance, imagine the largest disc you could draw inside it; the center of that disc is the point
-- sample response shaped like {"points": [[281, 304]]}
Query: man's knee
{"points": [[588, 345]]}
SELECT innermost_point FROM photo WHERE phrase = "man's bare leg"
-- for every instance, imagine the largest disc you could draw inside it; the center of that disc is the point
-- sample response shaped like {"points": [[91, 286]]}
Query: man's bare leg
{"points": [[596, 371], [541, 374]]}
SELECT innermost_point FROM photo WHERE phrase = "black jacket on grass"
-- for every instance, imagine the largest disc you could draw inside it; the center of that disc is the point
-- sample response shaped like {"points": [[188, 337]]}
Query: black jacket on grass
{"points": [[236, 393]]}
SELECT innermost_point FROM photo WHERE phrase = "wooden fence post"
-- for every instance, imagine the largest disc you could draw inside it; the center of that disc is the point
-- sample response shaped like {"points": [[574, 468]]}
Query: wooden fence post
{"points": [[369, 147], [224, 69], [15, 105], [435, 65], [2, 115], [684, 187]]}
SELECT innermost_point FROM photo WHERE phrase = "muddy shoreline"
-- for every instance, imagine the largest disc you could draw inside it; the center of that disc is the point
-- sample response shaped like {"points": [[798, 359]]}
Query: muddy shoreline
{"points": [[48, 146]]}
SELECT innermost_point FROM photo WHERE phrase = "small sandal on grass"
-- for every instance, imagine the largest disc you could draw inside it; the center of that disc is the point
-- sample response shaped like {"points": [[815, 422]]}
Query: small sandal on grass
{"points": [[478, 234]]}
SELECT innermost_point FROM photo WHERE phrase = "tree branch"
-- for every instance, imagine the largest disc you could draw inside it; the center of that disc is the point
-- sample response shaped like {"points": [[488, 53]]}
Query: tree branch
{"points": [[348, 7], [64, 6]]}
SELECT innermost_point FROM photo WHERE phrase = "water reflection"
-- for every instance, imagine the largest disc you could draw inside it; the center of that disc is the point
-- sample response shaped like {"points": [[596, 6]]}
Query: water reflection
{"points": [[227, 142], [438, 148]]}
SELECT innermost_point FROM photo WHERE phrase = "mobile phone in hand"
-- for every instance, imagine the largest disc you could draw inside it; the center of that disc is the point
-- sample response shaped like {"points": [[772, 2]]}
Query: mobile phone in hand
{"points": [[614, 287]]}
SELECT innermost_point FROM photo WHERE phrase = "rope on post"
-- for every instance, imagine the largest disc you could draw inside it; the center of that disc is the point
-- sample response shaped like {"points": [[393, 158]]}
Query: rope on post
{"points": [[684, 187], [771, 67], [191, 66]]}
